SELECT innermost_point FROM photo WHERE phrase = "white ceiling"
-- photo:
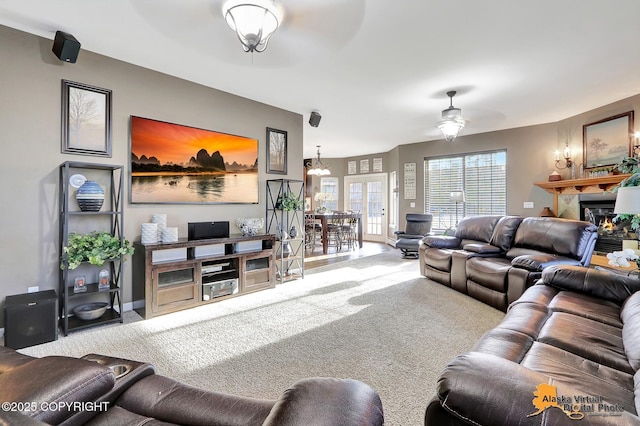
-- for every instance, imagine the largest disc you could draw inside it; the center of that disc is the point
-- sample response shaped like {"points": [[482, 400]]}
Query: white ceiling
{"points": [[377, 71]]}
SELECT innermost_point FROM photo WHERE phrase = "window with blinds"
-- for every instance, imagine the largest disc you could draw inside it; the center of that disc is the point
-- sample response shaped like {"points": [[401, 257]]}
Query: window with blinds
{"points": [[482, 177]]}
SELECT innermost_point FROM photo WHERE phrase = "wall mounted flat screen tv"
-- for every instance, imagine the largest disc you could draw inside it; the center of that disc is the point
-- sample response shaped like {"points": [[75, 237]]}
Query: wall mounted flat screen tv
{"points": [[172, 163]]}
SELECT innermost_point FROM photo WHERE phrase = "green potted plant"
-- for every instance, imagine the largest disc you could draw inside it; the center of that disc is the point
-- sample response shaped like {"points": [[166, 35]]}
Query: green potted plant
{"points": [[95, 248], [289, 202]]}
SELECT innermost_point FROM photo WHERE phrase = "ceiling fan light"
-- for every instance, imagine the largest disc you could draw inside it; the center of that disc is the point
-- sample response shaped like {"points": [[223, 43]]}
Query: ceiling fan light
{"points": [[452, 121], [254, 22]]}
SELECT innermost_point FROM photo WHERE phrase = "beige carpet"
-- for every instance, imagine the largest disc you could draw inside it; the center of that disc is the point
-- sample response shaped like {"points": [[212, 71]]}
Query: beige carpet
{"points": [[373, 319]]}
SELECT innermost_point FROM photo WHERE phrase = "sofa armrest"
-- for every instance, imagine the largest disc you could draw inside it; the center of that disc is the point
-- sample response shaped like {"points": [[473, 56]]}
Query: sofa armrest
{"points": [[345, 402], [598, 283], [442, 241], [481, 248], [327, 402], [538, 262], [485, 389], [57, 381]]}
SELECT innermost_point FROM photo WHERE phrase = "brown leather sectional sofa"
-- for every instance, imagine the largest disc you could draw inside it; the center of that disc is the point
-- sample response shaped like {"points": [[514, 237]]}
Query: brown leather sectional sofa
{"points": [[100, 390], [566, 353], [496, 258]]}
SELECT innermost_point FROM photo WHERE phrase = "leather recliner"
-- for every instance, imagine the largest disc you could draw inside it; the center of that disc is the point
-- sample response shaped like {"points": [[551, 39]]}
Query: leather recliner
{"points": [[101, 390], [539, 242], [418, 226], [496, 258], [566, 353], [443, 258]]}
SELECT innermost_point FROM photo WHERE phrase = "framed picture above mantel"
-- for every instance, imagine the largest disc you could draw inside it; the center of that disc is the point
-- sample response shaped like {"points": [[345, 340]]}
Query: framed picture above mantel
{"points": [[608, 141]]}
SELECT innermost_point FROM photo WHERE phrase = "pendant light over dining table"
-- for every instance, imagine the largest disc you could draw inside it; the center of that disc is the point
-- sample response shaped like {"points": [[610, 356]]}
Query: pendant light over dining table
{"points": [[254, 22], [318, 169]]}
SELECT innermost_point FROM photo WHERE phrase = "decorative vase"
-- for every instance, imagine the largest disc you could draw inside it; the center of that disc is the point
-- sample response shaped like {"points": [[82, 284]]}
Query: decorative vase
{"points": [[293, 232], [149, 233], [286, 249], [90, 197]]}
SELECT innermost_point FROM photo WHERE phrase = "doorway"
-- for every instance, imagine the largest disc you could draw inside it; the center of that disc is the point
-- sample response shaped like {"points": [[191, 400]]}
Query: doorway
{"points": [[368, 195]]}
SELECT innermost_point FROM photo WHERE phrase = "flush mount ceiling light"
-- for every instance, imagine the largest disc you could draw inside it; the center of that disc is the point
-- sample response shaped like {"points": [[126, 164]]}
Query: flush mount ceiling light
{"points": [[318, 169], [452, 121], [254, 21]]}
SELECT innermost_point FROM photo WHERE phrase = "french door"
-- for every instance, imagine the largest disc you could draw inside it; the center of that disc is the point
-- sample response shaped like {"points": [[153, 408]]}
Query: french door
{"points": [[368, 195]]}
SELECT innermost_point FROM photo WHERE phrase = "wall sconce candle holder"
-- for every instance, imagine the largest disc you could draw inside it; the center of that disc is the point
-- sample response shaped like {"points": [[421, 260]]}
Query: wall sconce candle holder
{"points": [[566, 154]]}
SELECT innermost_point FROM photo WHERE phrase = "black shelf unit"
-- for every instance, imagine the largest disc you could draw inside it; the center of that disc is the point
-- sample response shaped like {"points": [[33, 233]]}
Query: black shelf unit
{"points": [[289, 265], [111, 218]]}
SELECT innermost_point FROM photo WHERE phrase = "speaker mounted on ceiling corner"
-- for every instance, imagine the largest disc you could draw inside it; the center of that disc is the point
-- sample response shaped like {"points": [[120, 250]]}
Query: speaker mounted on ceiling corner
{"points": [[66, 47], [314, 120]]}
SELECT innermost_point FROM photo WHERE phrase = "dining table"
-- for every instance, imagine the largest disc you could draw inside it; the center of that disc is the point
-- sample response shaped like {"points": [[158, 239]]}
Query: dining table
{"points": [[326, 217]]}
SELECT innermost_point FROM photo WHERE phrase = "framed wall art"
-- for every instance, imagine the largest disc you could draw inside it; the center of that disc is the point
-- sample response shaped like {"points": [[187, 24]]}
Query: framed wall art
{"points": [[86, 119], [607, 142], [176, 164], [276, 151]]}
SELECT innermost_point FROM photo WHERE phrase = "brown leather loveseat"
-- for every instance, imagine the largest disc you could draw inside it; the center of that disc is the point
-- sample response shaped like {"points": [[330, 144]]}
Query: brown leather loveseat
{"points": [[496, 258], [566, 353], [101, 390]]}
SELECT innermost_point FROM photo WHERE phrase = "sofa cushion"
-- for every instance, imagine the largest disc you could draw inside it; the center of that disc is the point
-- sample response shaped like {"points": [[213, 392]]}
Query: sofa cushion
{"points": [[505, 231], [491, 272], [579, 304], [478, 228], [593, 282], [593, 340], [538, 262], [439, 259], [563, 237], [630, 316], [585, 376]]}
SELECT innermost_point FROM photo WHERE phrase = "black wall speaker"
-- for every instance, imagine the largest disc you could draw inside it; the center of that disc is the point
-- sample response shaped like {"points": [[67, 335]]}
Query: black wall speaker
{"points": [[314, 120], [66, 47], [30, 319]]}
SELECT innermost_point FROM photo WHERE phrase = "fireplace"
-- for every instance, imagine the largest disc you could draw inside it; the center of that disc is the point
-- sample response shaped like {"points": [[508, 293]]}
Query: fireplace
{"points": [[600, 213]]}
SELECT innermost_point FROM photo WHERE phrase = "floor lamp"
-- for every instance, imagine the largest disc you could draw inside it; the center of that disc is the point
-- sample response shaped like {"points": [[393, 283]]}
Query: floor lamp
{"points": [[457, 197]]}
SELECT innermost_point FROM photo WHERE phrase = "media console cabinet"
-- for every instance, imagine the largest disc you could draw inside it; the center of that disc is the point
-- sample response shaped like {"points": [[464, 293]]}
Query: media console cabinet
{"points": [[175, 276]]}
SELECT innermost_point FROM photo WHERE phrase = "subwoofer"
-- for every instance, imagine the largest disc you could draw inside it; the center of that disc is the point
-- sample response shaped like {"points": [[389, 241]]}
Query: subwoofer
{"points": [[30, 319], [66, 47]]}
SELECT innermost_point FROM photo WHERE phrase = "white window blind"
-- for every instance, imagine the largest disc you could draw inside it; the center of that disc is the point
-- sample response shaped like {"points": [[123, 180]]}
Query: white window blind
{"points": [[482, 177]]}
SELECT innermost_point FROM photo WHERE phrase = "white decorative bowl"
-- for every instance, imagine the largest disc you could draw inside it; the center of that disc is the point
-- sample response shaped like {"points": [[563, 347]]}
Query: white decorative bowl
{"points": [[250, 225], [90, 311]]}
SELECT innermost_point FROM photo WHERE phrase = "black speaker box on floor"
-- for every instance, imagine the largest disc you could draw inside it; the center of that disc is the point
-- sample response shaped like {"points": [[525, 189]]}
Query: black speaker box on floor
{"points": [[66, 47], [30, 319]]}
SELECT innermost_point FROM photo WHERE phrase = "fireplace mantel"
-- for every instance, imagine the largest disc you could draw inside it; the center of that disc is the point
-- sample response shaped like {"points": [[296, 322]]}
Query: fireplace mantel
{"points": [[580, 186]]}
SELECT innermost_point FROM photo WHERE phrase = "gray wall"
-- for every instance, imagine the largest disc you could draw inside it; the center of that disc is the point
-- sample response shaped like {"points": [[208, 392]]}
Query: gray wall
{"points": [[30, 114], [530, 158]]}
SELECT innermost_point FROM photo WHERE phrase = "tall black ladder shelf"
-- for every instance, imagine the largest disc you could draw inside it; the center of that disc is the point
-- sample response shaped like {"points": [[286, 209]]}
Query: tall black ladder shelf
{"points": [[110, 218]]}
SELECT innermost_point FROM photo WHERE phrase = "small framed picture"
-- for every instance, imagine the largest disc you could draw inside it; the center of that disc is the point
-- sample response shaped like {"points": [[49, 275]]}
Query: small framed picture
{"points": [[276, 151], [79, 285], [86, 119]]}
